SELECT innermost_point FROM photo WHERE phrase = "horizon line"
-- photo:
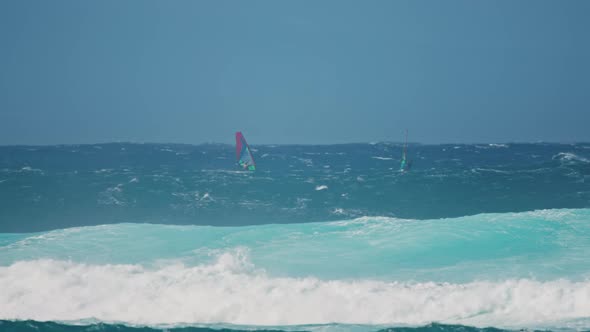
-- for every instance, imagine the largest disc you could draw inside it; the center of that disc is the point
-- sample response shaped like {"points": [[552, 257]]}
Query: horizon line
{"points": [[295, 144]]}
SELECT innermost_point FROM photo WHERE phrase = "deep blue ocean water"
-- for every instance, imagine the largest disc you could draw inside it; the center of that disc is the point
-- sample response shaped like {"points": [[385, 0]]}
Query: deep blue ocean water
{"points": [[174, 237]]}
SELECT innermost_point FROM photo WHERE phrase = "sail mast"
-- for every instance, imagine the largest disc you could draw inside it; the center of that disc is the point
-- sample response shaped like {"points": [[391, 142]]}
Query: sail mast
{"points": [[403, 165], [406, 145], [243, 153]]}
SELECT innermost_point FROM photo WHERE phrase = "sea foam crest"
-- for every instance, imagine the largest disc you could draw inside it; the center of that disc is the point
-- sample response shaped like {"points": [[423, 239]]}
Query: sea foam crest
{"points": [[570, 157], [230, 290]]}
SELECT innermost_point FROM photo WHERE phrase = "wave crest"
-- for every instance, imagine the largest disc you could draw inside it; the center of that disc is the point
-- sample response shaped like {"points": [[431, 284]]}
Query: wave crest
{"points": [[230, 291]]}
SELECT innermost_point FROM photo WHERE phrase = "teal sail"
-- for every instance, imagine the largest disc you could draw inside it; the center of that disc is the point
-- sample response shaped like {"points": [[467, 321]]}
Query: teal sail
{"points": [[405, 164], [243, 153]]}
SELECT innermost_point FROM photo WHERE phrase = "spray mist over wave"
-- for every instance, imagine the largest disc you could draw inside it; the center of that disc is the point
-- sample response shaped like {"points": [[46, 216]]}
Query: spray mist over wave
{"points": [[231, 290], [505, 270]]}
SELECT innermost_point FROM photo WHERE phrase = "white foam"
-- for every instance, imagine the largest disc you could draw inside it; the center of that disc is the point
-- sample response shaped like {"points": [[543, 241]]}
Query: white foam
{"points": [[322, 187], [382, 158], [24, 169], [30, 169], [112, 196], [205, 197], [232, 291], [568, 156], [308, 162], [489, 170], [338, 211]]}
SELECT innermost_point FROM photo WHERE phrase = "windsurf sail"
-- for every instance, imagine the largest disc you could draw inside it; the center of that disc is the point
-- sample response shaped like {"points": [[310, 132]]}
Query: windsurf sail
{"points": [[243, 154], [405, 164]]}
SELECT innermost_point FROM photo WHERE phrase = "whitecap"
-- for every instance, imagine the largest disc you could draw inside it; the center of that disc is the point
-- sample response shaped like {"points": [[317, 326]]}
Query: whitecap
{"points": [[232, 290], [569, 156]]}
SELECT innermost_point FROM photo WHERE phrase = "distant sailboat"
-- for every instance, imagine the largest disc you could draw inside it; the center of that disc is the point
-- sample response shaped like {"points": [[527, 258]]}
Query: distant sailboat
{"points": [[243, 154], [405, 164]]}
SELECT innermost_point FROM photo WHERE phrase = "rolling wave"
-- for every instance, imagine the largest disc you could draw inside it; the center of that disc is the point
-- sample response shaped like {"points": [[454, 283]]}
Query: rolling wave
{"points": [[231, 291], [543, 244], [509, 270]]}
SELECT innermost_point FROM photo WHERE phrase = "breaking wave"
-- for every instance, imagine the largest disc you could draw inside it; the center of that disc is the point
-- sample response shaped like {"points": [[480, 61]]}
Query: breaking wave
{"points": [[232, 290], [508, 270]]}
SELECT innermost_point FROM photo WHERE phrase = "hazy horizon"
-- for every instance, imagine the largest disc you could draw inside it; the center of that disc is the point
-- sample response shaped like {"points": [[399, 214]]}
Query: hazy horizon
{"points": [[298, 144]]}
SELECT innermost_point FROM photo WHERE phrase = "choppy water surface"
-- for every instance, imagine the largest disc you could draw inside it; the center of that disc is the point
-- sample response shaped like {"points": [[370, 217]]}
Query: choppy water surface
{"points": [[323, 238]]}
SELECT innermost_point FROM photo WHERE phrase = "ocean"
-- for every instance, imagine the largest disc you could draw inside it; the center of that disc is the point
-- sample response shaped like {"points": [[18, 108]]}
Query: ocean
{"points": [[174, 237]]}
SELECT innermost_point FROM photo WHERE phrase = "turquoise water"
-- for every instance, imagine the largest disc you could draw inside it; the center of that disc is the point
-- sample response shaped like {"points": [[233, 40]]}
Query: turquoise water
{"points": [[472, 237], [542, 244], [508, 270]]}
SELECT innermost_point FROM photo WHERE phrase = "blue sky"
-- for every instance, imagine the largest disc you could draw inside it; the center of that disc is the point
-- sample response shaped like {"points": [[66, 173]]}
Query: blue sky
{"points": [[294, 71]]}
